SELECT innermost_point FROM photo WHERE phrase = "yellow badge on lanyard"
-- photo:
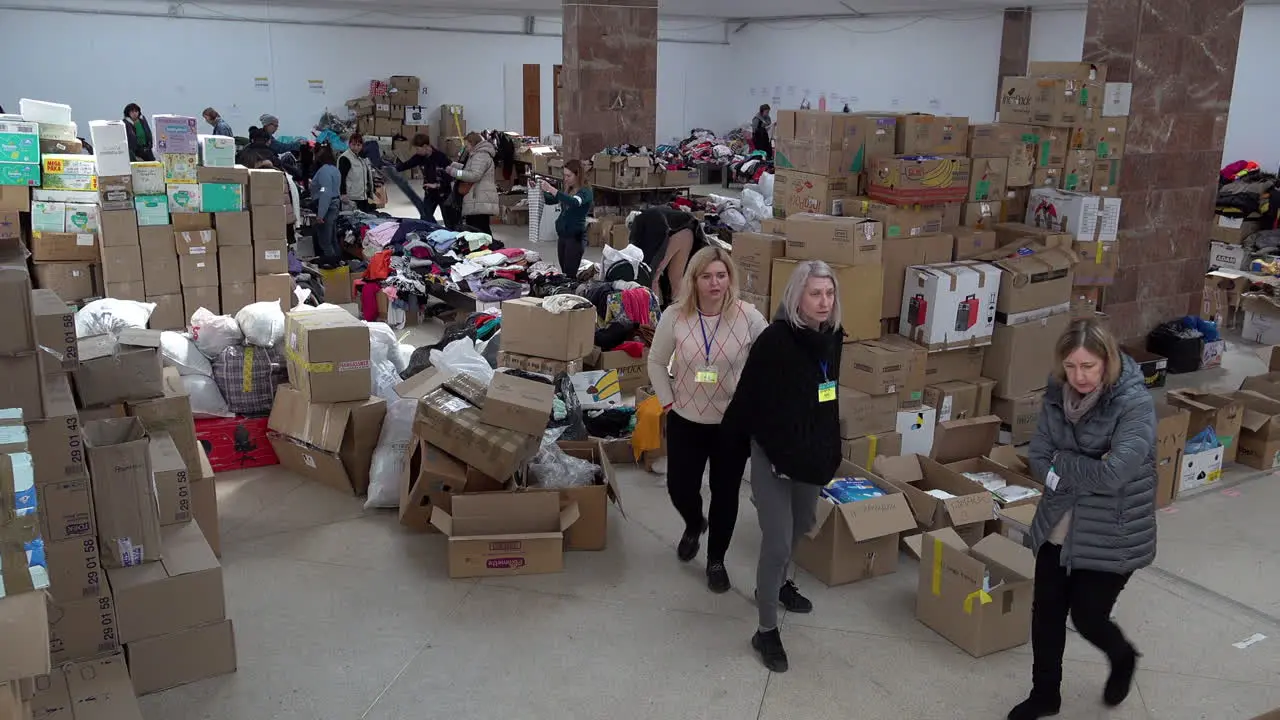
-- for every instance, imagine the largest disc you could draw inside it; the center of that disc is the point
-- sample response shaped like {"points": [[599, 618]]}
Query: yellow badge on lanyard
{"points": [[707, 375], [826, 392]]}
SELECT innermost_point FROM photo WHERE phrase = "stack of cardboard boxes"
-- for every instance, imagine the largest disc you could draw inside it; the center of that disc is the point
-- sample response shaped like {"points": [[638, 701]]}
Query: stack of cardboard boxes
{"points": [[269, 211], [393, 107], [452, 129], [820, 157]]}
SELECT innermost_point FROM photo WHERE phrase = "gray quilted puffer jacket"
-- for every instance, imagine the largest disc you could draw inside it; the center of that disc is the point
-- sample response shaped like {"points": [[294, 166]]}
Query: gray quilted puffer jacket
{"points": [[1106, 463]]}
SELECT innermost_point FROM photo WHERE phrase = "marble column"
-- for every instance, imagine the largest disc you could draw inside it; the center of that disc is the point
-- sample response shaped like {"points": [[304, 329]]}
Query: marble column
{"points": [[1015, 46], [610, 75], [1180, 56]]}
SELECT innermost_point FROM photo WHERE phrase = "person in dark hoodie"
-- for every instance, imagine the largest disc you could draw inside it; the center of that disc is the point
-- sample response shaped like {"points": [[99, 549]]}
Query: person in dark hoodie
{"points": [[258, 150], [786, 409], [138, 133], [436, 185], [1094, 452]]}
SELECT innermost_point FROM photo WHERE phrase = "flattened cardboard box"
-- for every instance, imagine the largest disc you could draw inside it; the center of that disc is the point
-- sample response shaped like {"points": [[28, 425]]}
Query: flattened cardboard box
{"points": [[124, 496], [119, 370], [183, 590], [858, 540], [331, 443], [192, 654], [454, 425], [502, 534]]}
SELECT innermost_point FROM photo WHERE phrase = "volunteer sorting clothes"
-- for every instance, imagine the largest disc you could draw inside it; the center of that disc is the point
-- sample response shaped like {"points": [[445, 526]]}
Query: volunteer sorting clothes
{"points": [[1094, 452], [436, 185], [357, 175], [575, 202], [704, 337], [476, 185], [668, 237], [787, 408], [325, 187]]}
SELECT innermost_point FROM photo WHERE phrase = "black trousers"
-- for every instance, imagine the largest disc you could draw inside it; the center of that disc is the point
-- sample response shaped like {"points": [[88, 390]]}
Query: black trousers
{"points": [[569, 251], [480, 223], [1088, 596], [690, 447]]}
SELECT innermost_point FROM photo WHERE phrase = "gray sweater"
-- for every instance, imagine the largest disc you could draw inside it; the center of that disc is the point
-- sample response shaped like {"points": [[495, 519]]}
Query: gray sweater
{"points": [[1106, 463]]}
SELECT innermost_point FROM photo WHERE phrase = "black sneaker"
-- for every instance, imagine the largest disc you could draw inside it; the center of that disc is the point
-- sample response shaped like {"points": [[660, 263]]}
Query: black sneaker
{"points": [[772, 654], [1121, 678], [690, 543], [1036, 707], [717, 578], [792, 600]]}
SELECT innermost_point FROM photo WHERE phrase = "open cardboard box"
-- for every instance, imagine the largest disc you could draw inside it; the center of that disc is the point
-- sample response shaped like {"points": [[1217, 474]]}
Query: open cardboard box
{"points": [[591, 532], [504, 534], [1259, 445], [951, 598], [431, 478], [1207, 409], [858, 540], [983, 464], [331, 443], [1171, 443]]}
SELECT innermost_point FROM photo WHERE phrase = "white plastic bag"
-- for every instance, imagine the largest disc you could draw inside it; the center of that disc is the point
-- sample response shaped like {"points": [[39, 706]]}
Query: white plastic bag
{"points": [[262, 323], [214, 333], [180, 352], [206, 398], [461, 356], [388, 464], [385, 380], [382, 341], [401, 356], [110, 316]]}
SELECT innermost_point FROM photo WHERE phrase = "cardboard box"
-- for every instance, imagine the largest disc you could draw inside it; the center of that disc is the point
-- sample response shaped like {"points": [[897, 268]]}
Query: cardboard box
{"points": [[1155, 368], [55, 331], [932, 135], [503, 534], [194, 298], [798, 192], [328, 356], [857, 540], [116, 193], [996, 140], [272, 257], [1259, 446], [1106, 178], [981, 215], [861, 290], [1018, 417], [864, 450], [988, 178], [1105, 136], [1200, 469], [900, 220], [266, 188], [977, 597], [83, 628], [21, 382], [331, 443], [173, 487], [276, 288], [1086, 217], [846, 240], [235, 296], [971, 243], [124, 496], [1171, 442], [591, 531], [516, 361], [170, 313], [234, 175], [1233, 230], [431, 479], [191, 654], [118, 227], [96, 688], [909, 179], [235, 265], [196, 242], [530, 330], [1224, 414], [960, 399], [75, 569], [115, 370], [862, 414], [952, 306], [192, 222], [1020, 356], [911, 392], [754, 254], [234, 229], [1031, 278], [24, 623], [633, 372], [915, 475], [1078, 173], [759, 302], [519, 404], [72, 281], [876, 367], [454, 425], [127, 291], [183, 591], [54, 440], [903, 252], [160, 270], [171, 415]]}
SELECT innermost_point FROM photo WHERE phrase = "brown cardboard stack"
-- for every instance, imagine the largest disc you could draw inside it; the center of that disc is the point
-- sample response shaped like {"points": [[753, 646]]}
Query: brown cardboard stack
{"points": [[452, 128], [271, 281], [65, 263], [854, 248], [754, 254], [391, 108], [821, 158]]}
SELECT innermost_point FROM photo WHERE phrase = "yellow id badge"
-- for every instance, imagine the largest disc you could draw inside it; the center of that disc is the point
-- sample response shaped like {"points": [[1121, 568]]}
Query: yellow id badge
{"points": [[826, 392], [708, 375]]}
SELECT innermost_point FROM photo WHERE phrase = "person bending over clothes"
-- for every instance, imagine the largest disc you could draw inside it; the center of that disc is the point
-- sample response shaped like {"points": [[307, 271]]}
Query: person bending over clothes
{"points": [[787, 408], [357, 175], [1094, 452], [325, 186], [704, 337], [571, 227], [476, 183], [138, 133], [668, 238]]}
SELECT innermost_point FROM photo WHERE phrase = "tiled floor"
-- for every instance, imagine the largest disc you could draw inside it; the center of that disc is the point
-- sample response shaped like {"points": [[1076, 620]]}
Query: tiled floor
{"points": [[341, 615]]}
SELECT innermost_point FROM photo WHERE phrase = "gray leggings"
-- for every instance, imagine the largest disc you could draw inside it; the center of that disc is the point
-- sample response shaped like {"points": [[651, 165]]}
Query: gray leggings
{"points": [[786, 510]]}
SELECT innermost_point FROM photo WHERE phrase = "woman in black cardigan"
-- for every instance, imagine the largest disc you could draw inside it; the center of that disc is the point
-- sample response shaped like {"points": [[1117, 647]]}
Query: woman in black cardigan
{"points": [[787, 408]]}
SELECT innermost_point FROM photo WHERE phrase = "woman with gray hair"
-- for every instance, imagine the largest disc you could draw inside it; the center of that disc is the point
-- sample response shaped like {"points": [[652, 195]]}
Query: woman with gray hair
{"points": [[786, 409]]}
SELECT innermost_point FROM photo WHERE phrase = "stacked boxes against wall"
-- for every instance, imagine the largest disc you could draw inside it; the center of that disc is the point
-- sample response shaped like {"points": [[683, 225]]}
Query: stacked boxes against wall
{"points": [[268, 272], [1077, 123], [393, 107], [821, 158]]}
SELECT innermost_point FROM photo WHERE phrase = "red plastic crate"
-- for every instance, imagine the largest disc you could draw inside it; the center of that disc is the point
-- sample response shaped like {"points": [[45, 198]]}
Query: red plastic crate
{"points": [[237, 443]]}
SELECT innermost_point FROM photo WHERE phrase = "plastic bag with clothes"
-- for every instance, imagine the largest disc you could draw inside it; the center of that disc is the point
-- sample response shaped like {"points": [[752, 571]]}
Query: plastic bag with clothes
{"points": [[179, 351], [554, 468], [247, 376], [462, 356], [391, 455], [262, 323], [110, 316], [214, 333]]}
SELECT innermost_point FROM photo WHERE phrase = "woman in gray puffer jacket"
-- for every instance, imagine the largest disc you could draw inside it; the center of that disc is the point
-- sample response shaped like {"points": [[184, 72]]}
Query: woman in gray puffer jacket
{"points": [[1094, 451]]}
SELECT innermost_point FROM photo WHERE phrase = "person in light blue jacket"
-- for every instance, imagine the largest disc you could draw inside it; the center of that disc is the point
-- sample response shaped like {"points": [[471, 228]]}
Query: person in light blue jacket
{"points": [[326, 187]]}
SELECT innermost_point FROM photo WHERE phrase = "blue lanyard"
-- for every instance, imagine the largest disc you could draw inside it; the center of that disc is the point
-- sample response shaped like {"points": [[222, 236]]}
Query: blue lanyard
{"points": [[825, 378], [706, 342]]}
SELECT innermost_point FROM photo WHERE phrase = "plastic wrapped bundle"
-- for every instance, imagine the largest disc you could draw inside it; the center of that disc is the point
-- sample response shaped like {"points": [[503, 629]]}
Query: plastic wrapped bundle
{"points": [[553, 468]]}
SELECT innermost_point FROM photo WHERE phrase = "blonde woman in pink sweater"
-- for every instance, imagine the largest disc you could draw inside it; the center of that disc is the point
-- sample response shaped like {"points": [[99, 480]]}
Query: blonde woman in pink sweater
{"points": [[698, 352]]}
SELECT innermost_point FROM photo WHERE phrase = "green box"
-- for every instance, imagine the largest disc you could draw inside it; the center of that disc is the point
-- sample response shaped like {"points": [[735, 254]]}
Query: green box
{"points": [[25, 174], [221, 197], [19, 142], [151, 209]]}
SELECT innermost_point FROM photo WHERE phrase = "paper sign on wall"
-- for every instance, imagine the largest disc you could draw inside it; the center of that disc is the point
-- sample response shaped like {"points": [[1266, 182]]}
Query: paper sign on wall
{"points": [[261, 83], [316, 86]]}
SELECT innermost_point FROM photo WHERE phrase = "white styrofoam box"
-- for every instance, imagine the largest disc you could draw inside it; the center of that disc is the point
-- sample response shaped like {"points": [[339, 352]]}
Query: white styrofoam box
{"points": [[183, 198], [217, 151], [1116, 99], [1225, 256], [148, 177], [81, 197], [175, 134], [82, 218], [55, 131], [48, 217], [916, 428], [1088, 217], [416, 115], [1261, 328], [110, 147], [1200, 469], [44, 112], [950, 305]]}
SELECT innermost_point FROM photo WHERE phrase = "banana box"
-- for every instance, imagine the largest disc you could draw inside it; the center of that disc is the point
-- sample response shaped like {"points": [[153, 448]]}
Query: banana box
{"points": [[925, 180]]}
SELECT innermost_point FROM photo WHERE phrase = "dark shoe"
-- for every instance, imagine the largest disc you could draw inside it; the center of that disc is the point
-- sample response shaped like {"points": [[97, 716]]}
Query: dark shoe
{"points": [[717, 578], [690, 543], [792, 600], [1121, 678], [1036, 707], [769, 645]]}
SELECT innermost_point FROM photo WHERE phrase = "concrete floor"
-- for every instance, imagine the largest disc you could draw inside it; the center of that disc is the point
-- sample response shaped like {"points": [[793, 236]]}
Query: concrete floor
{"points": [[341, 615]]}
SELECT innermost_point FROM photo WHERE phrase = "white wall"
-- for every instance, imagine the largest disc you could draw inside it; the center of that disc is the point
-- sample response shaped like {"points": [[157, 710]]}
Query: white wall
{"points": [[1252, 128], [183, 65], [1057, 35]]}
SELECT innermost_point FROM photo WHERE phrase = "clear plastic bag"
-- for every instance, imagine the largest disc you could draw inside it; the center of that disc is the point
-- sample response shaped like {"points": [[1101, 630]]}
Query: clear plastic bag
{"points": [[388, 464], [461, 356], [553, 468]]}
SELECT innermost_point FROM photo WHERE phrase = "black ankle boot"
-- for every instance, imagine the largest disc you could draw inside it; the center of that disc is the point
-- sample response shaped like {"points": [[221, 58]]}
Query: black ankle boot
{"points": [[690, 543], [1035, 707], [772, 654], [1121, 678], [718, 578]]}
